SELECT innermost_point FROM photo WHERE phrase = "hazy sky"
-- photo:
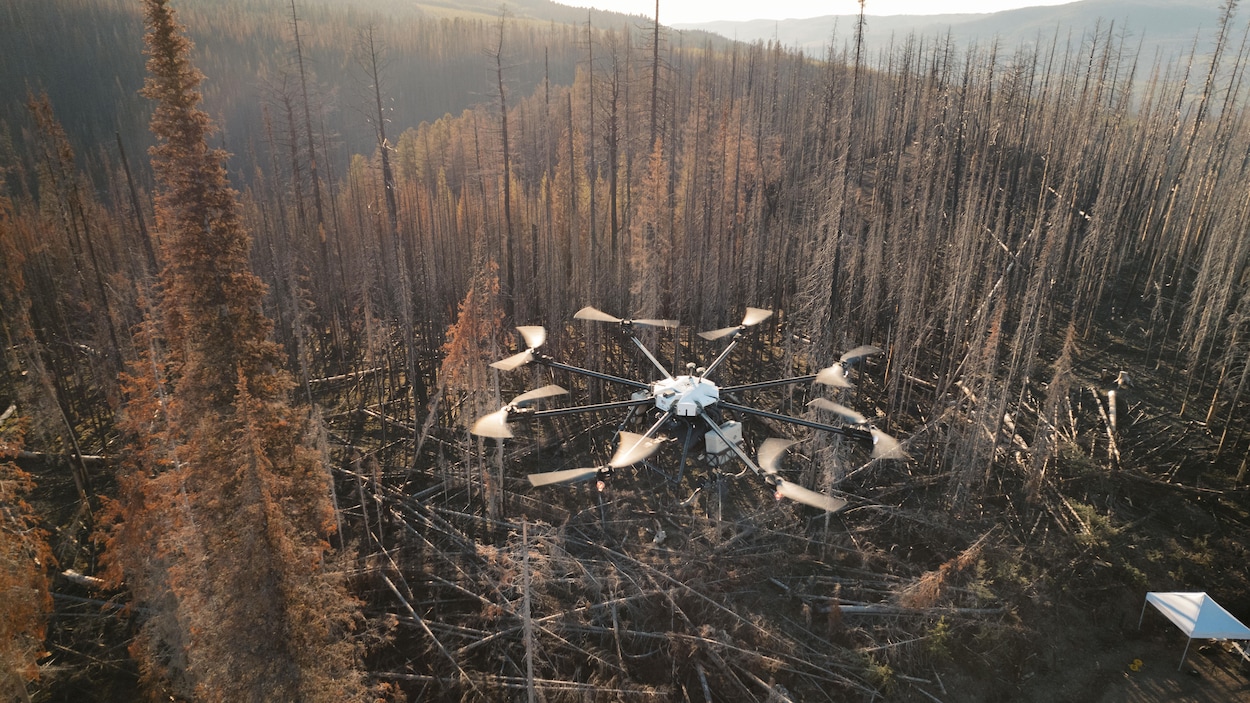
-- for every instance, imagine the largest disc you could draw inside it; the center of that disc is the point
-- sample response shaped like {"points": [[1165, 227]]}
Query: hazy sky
{"points": [[679, 11]]}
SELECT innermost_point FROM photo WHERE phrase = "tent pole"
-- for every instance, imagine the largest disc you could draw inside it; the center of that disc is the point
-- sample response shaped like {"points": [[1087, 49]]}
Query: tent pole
{"points": [[1185, 653], [1143, 612]]}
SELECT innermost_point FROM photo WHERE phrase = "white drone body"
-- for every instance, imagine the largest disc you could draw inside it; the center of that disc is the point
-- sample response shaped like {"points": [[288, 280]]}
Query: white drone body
{"points": [[685, 396]]}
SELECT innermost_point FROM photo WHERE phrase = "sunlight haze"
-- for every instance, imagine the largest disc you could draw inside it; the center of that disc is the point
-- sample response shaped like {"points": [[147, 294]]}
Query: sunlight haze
{"points": [[690, 11]]}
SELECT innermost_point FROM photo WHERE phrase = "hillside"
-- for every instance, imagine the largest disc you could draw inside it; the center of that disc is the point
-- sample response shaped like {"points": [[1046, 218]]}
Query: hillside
{"points": [[436, 59], [298, 394], [1156, 28]]}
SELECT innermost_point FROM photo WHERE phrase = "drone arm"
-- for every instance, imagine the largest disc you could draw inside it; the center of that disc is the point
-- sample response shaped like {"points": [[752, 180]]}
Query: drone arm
{"points": [[730, 443], [767, 384], [634, 448], [784, 488], [733, 343], [551, 363], [649, 356], [599, 407], [668, 415], [851, 432]]}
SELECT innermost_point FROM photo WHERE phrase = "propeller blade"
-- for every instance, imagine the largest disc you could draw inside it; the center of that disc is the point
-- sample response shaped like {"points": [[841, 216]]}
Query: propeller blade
{"points": [[533, 335], [566, 476], [514, 361], [834, 376], [589, 313], [842, 411], [806, 496], [633, 448], [755, 316], [720, 333], [538, 394], [493, 425], [885, 447], [656, 323], [860, 352], [772, 451]]}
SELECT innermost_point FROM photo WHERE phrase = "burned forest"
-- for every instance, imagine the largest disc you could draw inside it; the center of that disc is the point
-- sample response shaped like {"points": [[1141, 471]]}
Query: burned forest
{"points": [[292, 294]]}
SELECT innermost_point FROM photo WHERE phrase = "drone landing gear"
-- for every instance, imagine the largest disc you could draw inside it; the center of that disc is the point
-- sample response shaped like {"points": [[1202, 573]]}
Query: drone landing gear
{"points": [[685, 452], [715, 484], [601, 487]]}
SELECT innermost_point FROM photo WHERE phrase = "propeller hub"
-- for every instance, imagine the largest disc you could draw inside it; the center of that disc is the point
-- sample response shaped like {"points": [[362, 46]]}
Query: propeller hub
{"points": [[685, 395]]}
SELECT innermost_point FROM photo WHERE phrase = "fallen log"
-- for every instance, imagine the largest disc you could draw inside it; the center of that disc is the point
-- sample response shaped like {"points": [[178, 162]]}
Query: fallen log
{"points": [[518, 683], [48, 457], [345, 376], [388, 420], [928, 695], [83, 580], [889, 610], [412, 614], [103, 605]]}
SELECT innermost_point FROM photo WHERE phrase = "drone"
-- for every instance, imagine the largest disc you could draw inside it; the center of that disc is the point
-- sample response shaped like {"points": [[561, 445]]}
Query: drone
{"points": [[692, 404]]}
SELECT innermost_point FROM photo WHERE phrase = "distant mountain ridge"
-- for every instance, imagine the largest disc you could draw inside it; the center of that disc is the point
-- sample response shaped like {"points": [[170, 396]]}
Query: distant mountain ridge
{"points": [[437, 63], [1168, 27], [438, 53]]}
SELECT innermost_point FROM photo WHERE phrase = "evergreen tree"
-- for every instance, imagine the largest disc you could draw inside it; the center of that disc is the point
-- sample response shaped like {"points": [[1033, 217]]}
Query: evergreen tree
{"points": [[222, 524], [25, 561], [25, 558]]}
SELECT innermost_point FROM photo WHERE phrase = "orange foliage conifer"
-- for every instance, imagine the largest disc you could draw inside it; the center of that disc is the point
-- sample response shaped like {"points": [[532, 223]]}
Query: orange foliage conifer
{"points": [[24, 554], [473, 341], [24, 562], [222, 523]]}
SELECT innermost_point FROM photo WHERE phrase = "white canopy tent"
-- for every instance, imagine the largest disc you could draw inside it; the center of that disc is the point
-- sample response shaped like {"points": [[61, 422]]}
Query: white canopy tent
{"points": [[1197, 615]]}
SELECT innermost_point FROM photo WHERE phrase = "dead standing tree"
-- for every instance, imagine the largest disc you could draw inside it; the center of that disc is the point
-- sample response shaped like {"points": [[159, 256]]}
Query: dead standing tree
{"points": [[508, 234], [397, 264], [308, 135]]}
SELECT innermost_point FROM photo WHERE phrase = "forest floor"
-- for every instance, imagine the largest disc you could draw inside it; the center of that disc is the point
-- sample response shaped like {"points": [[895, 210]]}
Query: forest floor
{"points": [[1168, 515], [1010, 595], [1102, 671], [1086, 663]]}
